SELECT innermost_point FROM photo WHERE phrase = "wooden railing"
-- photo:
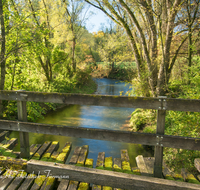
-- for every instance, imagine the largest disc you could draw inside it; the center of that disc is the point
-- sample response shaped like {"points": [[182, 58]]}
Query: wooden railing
{"points": [[159, 140]]}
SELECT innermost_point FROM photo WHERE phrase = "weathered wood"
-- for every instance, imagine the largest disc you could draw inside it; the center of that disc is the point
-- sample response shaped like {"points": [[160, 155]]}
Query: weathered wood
{"points": [[166, 172], [108, 178], [117, 165], [11, 143], [83, 99], [34, 148], [106, 188], [54, 156], [41, 151], [63, 184], [73, 185], [188, 176], [26, 185], [197, 164], [100, 160], [49, 183], [17, 181], [17, 164], [7, 179], [89, 163], [2, 170], [23, 136], [75, 155], [3, 135], [83, 155], [149, 161], [104, 134], [67, 147], [108, 164], [158, 152], [96, 187], [62, 157], [178, 177], [141, 165], [53, 147], [125, 162], [83, 186], [136, 171], [38, 182]]}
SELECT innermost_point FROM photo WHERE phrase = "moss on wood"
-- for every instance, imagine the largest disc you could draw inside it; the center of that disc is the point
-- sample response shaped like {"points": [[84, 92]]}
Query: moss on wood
{"points": [[108, 163]]}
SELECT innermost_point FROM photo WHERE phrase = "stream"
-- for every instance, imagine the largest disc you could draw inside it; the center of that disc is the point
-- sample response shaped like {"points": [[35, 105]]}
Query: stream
{"points": [[102, 117]]}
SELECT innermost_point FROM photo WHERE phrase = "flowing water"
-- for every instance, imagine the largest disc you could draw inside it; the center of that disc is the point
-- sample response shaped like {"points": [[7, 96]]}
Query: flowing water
{"points": [[101, 117]]}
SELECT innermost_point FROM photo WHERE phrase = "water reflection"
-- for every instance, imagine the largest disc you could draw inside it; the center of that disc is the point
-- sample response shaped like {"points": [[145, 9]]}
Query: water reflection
{"points": [[95, 117]]}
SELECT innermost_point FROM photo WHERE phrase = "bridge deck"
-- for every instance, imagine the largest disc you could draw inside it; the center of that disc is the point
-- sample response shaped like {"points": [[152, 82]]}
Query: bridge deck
{"points": [[47, 155]]}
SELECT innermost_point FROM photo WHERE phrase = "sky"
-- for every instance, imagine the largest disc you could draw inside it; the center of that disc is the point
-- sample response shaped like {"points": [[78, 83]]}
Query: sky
{"points": [[95, 22]]}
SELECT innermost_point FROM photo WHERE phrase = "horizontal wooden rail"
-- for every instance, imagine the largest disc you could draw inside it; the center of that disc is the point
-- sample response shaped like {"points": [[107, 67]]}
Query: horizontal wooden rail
{"points": [[108, 178], [104, 134], [103, 100]]}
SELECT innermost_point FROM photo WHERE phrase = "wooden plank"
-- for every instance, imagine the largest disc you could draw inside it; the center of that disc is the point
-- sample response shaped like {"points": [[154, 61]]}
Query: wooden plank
{"points": [[75, 155], [34, 148], [166, 172], [89, 163], [178, 177], [136, 171], [67, 147], [83, 186], [96, 187], [17, 164], [149, 161], [106, 188], [7, 179], [83, 155], [188, 176], [108, 178], [11, 143], [197, 164], [73, 185], [41, 151], [100, 160], [63, 184], [141, 165], [49, 183], [53, 147], [38, 182], [104, 134], [126, 167], [54, 156], [2, 170], [17, 181], [3, 135], [108, 164], [62, 157], [23, 136], [28, 182], [117, 165], [83, 99]]}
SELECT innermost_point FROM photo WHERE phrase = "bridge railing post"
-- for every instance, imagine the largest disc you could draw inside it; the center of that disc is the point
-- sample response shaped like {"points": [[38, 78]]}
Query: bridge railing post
{"points": [[23, 136], [158, 152]]}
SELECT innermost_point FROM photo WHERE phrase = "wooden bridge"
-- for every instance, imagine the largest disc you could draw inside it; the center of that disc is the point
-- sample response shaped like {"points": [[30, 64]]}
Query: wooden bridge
{"points": [[116, 179]]}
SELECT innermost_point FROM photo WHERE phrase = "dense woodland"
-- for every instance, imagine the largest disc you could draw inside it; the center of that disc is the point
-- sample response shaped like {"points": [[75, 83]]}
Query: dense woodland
{"points": [[45, 46]]}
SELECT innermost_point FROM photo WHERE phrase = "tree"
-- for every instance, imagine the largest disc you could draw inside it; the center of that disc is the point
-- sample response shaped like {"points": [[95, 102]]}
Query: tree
{"points": [[153, 24]]}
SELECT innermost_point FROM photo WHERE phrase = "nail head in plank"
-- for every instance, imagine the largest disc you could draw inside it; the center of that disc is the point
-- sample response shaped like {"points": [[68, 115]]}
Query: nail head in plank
{"points": [[42, 150], [38, 182], [83, 155], [53, 147], [17, 181], [28, 182], [100, 160], [73, 185], [75, 155], [63, 184]]}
